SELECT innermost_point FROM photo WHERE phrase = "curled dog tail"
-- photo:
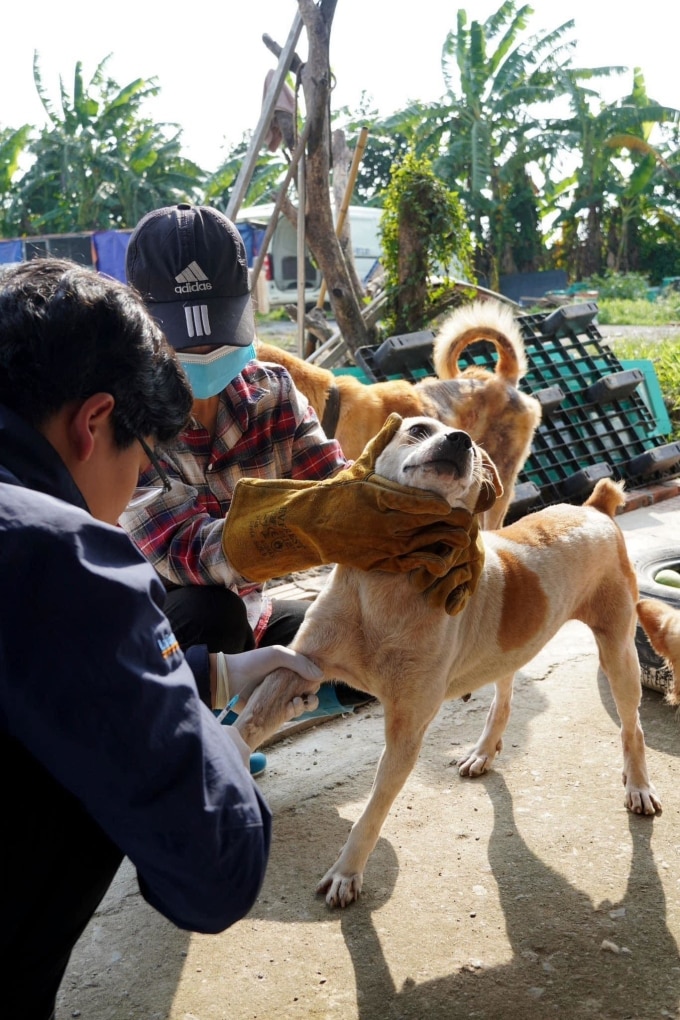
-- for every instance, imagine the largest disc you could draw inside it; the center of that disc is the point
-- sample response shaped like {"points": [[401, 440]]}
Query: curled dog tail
{"points": [[661, 624], [607, 497], [481, 320]]}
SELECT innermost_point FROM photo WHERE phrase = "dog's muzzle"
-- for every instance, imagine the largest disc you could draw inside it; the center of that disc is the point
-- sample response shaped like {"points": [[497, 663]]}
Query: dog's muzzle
{"points": [[452, 453]]}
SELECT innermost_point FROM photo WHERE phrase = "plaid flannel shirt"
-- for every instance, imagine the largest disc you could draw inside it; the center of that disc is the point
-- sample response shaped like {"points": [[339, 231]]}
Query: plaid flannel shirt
{"points": [[265, 429]]}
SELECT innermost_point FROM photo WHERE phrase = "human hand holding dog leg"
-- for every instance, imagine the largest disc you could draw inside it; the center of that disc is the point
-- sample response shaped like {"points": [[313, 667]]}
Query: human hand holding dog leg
{"points": [[281, 696], [236, 679], [238, 675]]}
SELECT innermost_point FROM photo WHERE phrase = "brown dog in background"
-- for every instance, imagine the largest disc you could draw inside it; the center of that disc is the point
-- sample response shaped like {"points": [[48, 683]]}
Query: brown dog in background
{"points": [[485, 404]]}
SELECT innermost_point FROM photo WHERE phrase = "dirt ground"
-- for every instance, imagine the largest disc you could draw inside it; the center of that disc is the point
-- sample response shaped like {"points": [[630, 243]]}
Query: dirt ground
{"points": [[529, 893]]}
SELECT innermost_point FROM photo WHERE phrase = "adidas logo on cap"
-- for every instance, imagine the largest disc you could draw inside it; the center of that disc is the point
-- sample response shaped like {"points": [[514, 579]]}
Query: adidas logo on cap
{"points": [[192, 279]]}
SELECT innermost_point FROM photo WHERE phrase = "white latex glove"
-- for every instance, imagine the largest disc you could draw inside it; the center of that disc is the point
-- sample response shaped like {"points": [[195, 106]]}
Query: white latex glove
{"points": [[247, 670], [289, 690]]}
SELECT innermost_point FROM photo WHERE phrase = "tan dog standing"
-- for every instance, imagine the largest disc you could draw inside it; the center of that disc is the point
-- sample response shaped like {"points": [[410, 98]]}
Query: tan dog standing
{"points": [[374, 632], [488, 405]]}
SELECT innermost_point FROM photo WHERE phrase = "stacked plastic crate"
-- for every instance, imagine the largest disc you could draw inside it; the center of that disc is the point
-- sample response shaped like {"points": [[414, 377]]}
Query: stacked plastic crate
{"points": [[601, 417]]}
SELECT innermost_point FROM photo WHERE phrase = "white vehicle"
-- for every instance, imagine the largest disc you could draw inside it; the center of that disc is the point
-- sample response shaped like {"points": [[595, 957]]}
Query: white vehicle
{"points": [[280, 267]]}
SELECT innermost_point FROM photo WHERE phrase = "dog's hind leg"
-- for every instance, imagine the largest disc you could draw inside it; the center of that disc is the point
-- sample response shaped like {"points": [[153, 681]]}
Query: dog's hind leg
{"points": [[342, 883], [490, 743], [620, 662]]}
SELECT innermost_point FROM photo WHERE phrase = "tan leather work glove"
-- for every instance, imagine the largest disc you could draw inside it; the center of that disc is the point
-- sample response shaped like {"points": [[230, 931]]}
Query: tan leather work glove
{"points": [[358, 519], [451, 590]]}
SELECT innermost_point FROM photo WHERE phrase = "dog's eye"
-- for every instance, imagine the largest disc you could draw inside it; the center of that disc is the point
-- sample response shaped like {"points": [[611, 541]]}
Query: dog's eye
{"points": [[419, 432]]}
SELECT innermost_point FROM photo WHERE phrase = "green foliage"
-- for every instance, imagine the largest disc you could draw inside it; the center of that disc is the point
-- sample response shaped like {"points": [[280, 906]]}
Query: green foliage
{"points": [[495, 137], [623, 312], [384, 148], [659, 243], [273, 315], [12, 145], [440, 245], [628, 286], [620, 178], [485, 137], [664, 356], [498, 137]]}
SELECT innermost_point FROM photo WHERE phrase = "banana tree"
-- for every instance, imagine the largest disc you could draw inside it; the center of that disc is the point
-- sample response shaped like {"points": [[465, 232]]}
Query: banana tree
{"points": [[486, 130], [602, 182], [99, 163], [267, 174], [635, 198]]}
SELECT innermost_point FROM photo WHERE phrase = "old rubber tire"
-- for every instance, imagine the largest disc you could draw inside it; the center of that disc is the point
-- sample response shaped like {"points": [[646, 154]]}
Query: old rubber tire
{"points": [[654, 672], [648, 564]]}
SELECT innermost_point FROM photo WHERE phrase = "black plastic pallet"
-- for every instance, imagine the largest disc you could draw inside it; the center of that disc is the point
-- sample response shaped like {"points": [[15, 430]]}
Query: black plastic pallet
{"points": [[595, 422]]}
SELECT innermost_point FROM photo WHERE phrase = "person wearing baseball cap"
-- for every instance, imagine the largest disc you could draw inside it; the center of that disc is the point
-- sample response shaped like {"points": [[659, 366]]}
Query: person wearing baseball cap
{"points": [[253, 453], [190, 266]]}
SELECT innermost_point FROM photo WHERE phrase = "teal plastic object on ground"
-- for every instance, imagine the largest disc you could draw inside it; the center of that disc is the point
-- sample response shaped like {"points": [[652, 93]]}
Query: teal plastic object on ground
{"points": [[329, 704]]}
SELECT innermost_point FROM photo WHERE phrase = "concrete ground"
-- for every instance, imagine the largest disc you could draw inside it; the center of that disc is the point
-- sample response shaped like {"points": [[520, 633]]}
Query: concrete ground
{"points": [[528, 893]]}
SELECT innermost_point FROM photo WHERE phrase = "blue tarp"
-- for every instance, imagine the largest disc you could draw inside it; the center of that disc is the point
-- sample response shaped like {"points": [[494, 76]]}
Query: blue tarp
{"points": [[11, 251], [110, 247], [252, 235]]}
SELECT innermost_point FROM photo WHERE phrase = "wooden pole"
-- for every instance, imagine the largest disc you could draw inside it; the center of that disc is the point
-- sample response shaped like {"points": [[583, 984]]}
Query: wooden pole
{"points": [[283, 190], [347, 198], [301, 274], [238, 192]]}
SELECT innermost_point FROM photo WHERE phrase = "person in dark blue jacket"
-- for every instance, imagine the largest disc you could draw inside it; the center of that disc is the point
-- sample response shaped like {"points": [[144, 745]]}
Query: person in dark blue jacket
{"points": [[109, 745], [108, 742]]}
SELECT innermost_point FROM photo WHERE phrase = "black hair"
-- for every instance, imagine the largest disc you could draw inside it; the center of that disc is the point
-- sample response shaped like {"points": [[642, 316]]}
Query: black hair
{"points": [[67, 331]]}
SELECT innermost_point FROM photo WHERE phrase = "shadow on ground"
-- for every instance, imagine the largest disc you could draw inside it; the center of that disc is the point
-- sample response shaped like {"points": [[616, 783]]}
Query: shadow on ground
{"points": [[559, 967]]}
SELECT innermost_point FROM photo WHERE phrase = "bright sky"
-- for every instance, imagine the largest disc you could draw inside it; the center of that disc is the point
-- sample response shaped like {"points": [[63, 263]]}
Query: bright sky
{"points": [[210, 60]]}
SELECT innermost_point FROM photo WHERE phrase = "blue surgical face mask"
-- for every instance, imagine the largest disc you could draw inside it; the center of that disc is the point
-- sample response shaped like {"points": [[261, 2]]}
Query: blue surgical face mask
{"points": [[210, 373]]}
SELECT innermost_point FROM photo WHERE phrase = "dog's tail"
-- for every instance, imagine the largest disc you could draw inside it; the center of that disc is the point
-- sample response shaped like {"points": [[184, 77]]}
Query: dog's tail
{"points": [[607, 497], [661, 624], [481, 320]]}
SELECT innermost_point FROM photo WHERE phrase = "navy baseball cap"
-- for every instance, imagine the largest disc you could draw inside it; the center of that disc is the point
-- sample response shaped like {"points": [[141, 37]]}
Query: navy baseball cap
{"points": [[190, 266]]}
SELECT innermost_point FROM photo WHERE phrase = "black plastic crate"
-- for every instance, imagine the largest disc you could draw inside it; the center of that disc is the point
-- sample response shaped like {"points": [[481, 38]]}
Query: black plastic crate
{"points": [[404, 352], [398, 357], [602, 427], [595, 421]]}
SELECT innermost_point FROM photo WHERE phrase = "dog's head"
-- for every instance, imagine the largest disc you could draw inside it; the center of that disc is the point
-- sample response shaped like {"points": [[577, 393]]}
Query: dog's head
{"points": [[426, 454]]}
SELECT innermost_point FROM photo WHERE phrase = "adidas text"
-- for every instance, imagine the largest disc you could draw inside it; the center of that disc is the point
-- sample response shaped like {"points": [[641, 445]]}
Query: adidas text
{"points": [[191, 288]]}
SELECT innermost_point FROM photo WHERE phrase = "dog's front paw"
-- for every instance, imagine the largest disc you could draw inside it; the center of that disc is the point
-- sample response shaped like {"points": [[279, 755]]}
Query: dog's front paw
{"points": [[478, 761], [642, 801], [340, 889]]}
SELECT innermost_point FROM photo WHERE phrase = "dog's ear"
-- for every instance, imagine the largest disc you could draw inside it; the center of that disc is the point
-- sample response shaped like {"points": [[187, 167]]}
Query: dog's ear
{"points": [[491, 488]]}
